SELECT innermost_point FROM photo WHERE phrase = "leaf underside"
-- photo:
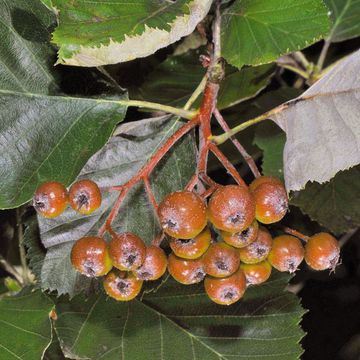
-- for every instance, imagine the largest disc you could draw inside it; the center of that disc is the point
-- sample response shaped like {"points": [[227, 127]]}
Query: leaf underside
{"points": [[322, 127]]}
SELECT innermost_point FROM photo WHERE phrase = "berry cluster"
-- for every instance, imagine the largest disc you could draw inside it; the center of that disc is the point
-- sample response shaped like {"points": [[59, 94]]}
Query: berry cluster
{"points": [[243, 255]]}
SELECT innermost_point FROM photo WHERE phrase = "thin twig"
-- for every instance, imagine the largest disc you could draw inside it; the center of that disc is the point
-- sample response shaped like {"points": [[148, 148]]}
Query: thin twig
{"points": [[295, 233], [11, 270], [192, 183], [197, 92], [150, 193], [323, 54], [158, 240], [22, 251], [247, 157], [227, 164]]}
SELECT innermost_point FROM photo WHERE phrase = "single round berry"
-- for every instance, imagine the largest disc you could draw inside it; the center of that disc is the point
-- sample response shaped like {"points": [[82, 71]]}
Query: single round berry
{"points": [[186, 271], [242, 238], [271, 199], [264, 180], [258, 250], [286, 254], [322, 252], [50, 199], [228, 290], [221, 260], [191, 248], [122, 285], [256, 273], [127, 251], [85, 196], [90, 256], [182, 214], [231, 208], [154, 265]]}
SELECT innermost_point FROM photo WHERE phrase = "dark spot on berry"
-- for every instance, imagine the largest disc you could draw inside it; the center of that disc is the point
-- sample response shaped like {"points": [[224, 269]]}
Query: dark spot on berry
{"points": [[170, 224], [144, 275], [82, 200], [260, 251], [122, 286], [229, 295], [89, 268], [244, 234], [236, 218], [199, 275], [131, 259], [39, 205], [221, 265]]}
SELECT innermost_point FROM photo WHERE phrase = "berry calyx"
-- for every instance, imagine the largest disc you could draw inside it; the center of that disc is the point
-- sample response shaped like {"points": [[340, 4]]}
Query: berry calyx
{"points": [[231, 208], [90, 256], [182, 214], [50, 199], [286, 254], [258, 250], [256, 274], [322, 252], [228, 290], [186, 271], [271, 199], [127, 251], [242, 238], [154, 265], [122, 285], [221, 260], [191, 248], [85, 196]]}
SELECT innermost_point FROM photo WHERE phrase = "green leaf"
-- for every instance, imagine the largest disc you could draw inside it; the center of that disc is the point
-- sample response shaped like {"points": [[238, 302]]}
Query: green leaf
{"points": [[180, 322], [54, 352], [35, 251], [255, 32], [102, 32], [43, 134], [345, 16], [271, 140], [174, 80], [334, 204], [25, 329], [116, 163]]}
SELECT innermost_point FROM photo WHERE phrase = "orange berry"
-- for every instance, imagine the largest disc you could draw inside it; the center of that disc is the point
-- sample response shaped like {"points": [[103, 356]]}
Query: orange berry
{"points": [[322, 251], [85, 196], [256, 273], [50, 199], [221, 260], [286, 253], [90, 256], [127, 251], [242, 238], [182, 214], [191, 248], [228, 290], [186, 271], [231, 208], [154, 265], [271, 199], [258, 250], [122, 285]]}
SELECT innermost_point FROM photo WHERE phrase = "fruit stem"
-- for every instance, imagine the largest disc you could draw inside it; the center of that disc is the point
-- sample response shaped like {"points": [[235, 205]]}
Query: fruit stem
{"points": [[227, 164], [192, 183], [220, 139], [295, 233], [197, 92], [22, 252], [247, 157], [158, 240], [146, 170]]}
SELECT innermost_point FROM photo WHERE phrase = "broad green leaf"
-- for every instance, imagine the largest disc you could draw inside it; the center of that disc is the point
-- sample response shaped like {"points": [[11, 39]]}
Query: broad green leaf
{"points": [[345, 15], [103, 32], [322, 126], [54, 352], [256, 32], [180, 322], [334, 204], [271, 140], [44, 135], [173, 82], [116, 163], [25, 329]]}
